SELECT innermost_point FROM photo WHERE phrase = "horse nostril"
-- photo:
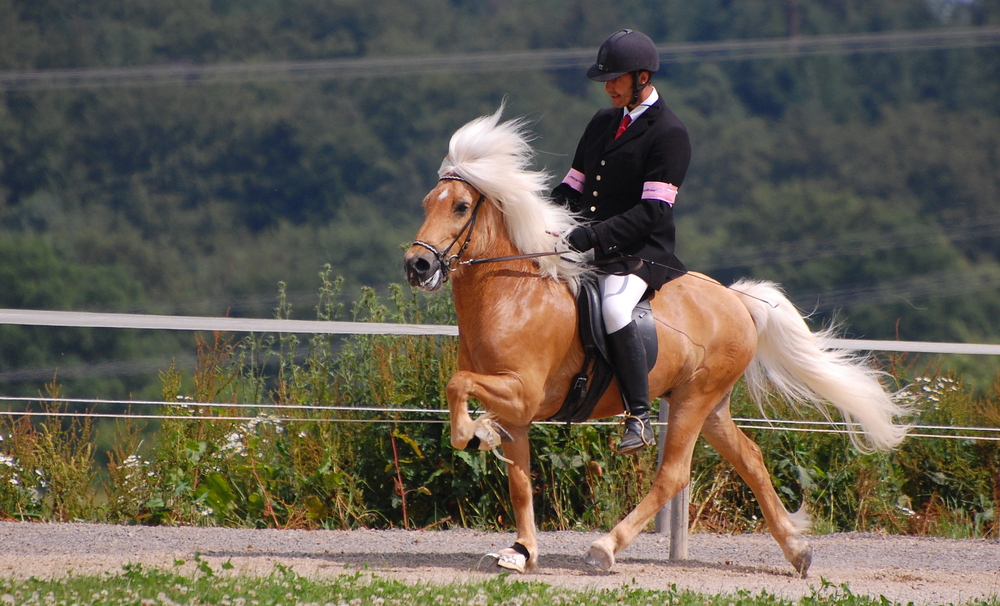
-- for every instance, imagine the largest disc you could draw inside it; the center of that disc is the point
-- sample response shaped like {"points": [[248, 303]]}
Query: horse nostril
{"points": [[421, 266]]}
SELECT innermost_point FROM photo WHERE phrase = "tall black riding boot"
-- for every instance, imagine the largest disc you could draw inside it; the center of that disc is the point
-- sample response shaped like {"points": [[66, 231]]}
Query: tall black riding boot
{"points": [[628, 355]]}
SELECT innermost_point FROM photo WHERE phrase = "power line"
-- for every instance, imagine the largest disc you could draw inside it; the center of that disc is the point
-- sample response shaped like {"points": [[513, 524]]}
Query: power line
{"points": [[904, 290], [116, 368], [852, 245], [545, 60], [706, 262]]}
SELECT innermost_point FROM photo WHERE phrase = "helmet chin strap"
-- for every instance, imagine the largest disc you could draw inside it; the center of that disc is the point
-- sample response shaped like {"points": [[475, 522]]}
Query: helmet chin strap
{"points": [[637, 88]]}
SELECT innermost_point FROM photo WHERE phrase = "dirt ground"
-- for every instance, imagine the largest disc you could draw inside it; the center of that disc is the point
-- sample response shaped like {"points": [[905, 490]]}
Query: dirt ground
{"points": [[904, 569]]}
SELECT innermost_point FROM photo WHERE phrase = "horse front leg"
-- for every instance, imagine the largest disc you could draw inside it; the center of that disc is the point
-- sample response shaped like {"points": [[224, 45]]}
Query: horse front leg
{"points": [[523, 555], [507, 419], [501, 395]]}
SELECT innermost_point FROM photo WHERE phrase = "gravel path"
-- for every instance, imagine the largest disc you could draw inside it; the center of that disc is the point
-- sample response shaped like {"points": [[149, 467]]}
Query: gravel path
{"points": [[922, 570]]}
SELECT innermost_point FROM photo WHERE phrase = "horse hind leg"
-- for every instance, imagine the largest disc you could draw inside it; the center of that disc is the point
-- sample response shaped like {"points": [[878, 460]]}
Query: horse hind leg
{"points": [[744, 454], [672, 476]]}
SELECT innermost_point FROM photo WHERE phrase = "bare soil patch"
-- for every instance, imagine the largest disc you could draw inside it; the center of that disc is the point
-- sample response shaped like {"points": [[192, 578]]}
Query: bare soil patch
{"points": [[919, 569]]}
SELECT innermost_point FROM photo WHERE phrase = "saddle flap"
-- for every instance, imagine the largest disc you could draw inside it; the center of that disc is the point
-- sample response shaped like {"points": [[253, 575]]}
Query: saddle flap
{"points": [[593, 380], [591, 321]]}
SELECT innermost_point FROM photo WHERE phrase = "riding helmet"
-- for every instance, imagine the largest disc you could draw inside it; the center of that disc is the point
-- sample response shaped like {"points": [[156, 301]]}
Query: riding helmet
{"points": [[625, 51]]}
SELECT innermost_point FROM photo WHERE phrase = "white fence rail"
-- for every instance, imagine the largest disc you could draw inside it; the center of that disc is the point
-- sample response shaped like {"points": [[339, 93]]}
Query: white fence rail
{"points": [[81, 319], [198, 323]]}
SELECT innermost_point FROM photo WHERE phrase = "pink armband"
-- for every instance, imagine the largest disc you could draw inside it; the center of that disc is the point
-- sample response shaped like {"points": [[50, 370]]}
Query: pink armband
{"points": [[574, 179], [658, 190]]}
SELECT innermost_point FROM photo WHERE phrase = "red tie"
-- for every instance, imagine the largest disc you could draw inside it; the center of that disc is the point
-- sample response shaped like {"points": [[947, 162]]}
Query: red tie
{"points": [[625, 122]]}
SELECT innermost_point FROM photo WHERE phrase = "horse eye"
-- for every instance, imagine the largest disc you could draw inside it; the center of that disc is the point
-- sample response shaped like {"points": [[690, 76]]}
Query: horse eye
{"points": [[461, 208]]}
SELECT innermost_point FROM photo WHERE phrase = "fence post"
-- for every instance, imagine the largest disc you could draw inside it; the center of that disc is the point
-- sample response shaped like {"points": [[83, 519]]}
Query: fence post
{"points": [[674, 515]]}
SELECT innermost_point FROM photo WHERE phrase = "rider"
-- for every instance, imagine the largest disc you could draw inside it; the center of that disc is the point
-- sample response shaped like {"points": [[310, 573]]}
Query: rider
{"points": [[623, 182]]}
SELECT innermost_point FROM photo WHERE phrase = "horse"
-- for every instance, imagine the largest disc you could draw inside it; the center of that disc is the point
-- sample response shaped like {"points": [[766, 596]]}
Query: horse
{"points": [[491, 229]]}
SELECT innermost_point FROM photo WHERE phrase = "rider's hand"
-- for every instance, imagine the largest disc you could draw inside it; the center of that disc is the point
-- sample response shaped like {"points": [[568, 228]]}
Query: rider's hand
{"points": [[580, 239]]}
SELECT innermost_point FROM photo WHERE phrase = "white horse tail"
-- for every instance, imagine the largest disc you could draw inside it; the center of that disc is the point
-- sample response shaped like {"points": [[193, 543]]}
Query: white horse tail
{"points": [[800, 366]]}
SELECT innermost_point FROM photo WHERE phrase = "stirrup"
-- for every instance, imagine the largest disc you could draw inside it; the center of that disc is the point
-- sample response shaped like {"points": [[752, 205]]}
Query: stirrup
{"points": [[645, 427]]}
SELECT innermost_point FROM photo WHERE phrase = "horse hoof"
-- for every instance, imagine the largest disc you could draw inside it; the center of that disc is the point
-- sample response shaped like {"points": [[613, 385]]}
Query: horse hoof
{"points": [[802, 558], [490, 434], [600, 556], [511, 559]]}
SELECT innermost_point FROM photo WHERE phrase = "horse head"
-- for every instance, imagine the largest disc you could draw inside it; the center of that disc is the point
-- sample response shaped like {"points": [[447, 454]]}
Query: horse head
{"points": [[487, 187], [451, 211]]}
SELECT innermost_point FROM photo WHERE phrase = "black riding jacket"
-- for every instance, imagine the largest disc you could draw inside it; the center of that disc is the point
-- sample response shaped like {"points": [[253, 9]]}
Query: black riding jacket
{"points": [[625, 188]]}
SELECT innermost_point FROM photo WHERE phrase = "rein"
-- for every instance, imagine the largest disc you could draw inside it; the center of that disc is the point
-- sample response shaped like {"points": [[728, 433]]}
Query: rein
{"points": [[455, 261], [513, 257]]}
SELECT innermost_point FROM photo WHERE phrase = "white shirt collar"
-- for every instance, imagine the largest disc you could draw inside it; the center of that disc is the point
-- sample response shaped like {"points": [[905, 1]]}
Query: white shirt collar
{"points": [[651, 99]]}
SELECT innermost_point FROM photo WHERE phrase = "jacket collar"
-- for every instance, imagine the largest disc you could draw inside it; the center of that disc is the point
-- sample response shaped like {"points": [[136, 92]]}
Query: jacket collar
{"points": [[636, 128]]}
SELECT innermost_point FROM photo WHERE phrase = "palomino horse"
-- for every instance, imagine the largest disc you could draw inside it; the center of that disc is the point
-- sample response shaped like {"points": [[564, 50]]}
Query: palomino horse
{"points": [[519, 343]]}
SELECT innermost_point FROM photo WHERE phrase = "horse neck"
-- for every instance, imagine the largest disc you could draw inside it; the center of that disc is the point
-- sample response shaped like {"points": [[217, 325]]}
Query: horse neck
{"points": [[483, 289], [490, 236]]}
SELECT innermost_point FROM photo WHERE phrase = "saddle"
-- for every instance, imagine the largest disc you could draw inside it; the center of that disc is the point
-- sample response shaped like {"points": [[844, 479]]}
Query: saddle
{"points": [[594, 378]]}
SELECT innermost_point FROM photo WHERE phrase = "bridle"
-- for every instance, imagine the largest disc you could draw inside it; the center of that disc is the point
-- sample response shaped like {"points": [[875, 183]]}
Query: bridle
{"points": [[453, 262]]}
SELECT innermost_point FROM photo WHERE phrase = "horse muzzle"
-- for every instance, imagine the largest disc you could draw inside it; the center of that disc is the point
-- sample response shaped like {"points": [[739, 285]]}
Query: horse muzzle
{"points": [[423, 269]]}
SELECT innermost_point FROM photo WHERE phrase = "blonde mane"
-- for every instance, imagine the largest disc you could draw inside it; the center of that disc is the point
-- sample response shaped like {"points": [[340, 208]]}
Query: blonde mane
{"points": [[495, 158]]}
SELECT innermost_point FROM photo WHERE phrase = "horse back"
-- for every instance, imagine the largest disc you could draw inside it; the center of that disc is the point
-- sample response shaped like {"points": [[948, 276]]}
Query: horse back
{"points": [[706, 339], [705, 332]]}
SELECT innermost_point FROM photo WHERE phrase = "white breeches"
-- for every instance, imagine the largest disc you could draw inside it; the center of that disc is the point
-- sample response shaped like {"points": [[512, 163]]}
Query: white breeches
{"points": [[619, 296]]}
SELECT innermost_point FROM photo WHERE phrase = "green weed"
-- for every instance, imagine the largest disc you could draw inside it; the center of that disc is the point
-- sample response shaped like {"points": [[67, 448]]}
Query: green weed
{"points": [[48, 464], [198, 583]]}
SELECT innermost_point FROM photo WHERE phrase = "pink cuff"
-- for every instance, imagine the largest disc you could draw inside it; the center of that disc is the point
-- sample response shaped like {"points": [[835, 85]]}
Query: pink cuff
{"points": [[574, 179], [658, 190]]}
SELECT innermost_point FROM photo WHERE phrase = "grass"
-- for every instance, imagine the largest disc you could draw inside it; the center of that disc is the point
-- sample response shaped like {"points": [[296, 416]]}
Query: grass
{"points": [[137, 585]]}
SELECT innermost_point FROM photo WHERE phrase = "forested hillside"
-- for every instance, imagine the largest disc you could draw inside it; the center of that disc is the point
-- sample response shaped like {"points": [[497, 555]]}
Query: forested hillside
{"points": [[866, 183]]}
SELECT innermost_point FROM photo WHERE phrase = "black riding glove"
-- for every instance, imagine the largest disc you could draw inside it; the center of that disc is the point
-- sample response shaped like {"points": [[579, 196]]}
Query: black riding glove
{"points": [[581, 239]]}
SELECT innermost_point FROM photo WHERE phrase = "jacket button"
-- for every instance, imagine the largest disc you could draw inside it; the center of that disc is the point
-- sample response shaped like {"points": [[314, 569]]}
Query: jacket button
{"points": [[603, 162], [595, 193], [593, 208], [598, 177]]}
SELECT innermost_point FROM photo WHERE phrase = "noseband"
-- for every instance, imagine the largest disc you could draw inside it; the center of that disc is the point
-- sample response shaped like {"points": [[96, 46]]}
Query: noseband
{"points": [[452, 263]]}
